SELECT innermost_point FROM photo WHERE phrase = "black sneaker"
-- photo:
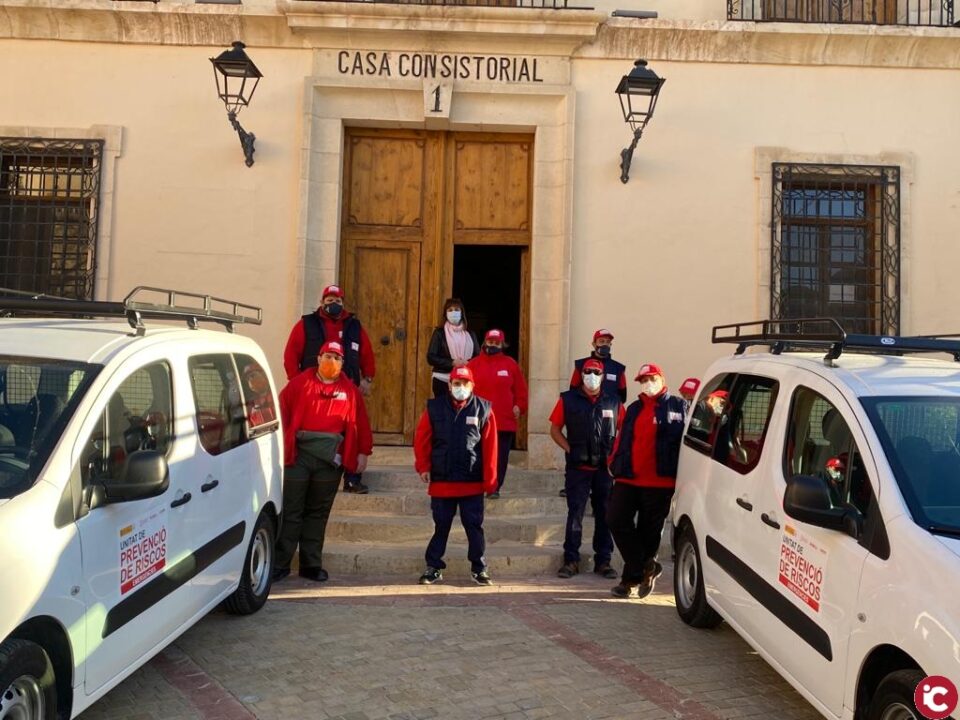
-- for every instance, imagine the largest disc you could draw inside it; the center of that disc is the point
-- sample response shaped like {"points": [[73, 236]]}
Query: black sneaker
{"points": [[568, 570], [481, 578], [317, 574], [280, 573], [654, 571], [604, 570], [495, 495], [430, 576], [624, 591], [358, 488]]}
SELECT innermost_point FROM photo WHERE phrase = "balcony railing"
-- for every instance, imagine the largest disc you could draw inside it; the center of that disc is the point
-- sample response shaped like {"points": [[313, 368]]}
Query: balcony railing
{"points": [[914, 13]]}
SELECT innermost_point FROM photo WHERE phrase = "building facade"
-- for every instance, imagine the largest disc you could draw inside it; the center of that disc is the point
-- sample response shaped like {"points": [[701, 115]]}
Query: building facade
{"points": [[801, 163]]}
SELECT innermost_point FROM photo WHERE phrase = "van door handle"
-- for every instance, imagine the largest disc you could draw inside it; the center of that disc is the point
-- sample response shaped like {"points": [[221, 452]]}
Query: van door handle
{"points": [[182, 500], [767, 520], [744, 504], [208, 486]]}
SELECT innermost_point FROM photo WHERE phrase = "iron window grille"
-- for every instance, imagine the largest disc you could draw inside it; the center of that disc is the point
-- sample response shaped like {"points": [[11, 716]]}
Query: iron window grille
{"points": [[835, 241], [916, 13], [49, 203]]}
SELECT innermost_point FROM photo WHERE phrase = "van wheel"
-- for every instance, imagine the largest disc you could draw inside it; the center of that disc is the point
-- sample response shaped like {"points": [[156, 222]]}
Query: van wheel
{"points": [[894, 697], [257, 575], [688, 592], [28, 688]]}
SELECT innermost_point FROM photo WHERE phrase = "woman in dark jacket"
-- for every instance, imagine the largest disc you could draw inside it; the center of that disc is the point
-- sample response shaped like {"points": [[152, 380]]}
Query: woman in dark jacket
{"points": [[451, 345]]}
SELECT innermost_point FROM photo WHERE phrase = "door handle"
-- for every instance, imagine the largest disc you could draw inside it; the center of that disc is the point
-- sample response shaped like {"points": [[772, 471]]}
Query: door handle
{"points": [[767, 520], [385, 340], [744, 504], [182, 500], [208, 486]]}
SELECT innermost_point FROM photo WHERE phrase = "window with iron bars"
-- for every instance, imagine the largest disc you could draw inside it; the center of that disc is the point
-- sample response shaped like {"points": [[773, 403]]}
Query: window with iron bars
{"points": [[836, 245], [49, 199]]}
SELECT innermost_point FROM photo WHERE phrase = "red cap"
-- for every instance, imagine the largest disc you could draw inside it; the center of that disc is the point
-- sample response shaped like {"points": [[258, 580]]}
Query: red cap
{"points": [[649, 369], [722, 394], [602, 332], [690, 385], [461, 373], [494, 335], [593, 364], [332, 346], [334, 290], [834, 463]]}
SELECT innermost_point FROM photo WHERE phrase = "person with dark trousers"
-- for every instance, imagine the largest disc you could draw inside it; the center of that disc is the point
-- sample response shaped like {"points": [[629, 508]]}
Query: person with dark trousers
{"points": [[331, 322], [644, 467], [614, 373], [455, 451], [500, 380], [591, 418], [452, 345], [318, 412]]}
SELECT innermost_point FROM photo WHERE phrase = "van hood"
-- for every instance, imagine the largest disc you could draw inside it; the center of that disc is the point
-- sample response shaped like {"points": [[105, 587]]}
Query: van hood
{"points": [[952, 543]]}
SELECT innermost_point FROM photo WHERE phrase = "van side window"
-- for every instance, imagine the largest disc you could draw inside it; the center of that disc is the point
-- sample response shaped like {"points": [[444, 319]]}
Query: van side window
{"points": [[261, 414], [138, 416], [819, 443], [216, 393], [707, 411], [743, 426]]}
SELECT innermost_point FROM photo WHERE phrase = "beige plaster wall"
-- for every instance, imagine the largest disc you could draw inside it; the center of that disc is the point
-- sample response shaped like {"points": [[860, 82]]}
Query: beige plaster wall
{"points": [[678, 249], [186, 213]]}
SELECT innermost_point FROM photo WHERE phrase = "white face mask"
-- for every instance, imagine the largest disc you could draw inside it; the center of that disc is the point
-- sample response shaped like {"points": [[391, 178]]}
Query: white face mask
{"points": [[651, 388], [461, 392], [592, 382], [454, 317]]}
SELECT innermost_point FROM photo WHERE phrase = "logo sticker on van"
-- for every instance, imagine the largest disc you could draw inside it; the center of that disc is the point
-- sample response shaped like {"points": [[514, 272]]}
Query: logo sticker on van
{"points": [[143, 550], [802, 564]]}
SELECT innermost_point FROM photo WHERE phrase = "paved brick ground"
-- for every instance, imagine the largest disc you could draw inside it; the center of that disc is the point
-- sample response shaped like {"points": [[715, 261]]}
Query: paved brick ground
{"points": [[367, 650]]}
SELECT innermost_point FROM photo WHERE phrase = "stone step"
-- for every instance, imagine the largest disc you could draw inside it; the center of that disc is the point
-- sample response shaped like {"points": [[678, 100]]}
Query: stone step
{"points": [[417, 502], [387, 530], [518, 480]]}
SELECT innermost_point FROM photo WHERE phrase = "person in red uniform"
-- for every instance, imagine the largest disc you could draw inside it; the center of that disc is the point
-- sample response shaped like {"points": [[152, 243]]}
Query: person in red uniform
{"points": [[331, 322], [644, 467], [500, 380], [614, 373], [318, 411], [688, 389], [455, 452], [591, 417]]}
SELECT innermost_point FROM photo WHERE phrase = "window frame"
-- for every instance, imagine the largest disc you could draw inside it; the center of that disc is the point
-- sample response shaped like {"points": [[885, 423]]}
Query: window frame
{"points": [[736, 395], [723, 381], [252, 432], [242, 437]]}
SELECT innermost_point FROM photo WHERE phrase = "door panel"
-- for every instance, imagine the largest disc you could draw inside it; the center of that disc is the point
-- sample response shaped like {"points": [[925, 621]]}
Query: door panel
{"points": [[386, 181]]}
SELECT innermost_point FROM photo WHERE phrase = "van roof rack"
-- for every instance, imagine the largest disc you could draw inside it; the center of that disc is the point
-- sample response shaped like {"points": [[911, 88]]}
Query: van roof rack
{"points": [[826, 333], [141, 303]]}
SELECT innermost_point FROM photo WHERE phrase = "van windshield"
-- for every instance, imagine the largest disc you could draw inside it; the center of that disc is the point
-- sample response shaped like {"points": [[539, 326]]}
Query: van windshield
{"points": [[921, 437], [38, 396]]}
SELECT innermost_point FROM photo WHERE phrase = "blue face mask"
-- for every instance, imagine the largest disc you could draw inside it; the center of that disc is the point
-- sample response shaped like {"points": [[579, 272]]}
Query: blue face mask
{"points": [[454, 317], [460, 392], [603, 351], [491, 349], [333, 309]]}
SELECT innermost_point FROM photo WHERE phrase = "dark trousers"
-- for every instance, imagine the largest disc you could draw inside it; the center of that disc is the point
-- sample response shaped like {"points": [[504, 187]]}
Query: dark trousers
{"points": [[471, 517], [309, 489], [440, 388], [504, 443], [635, 516], [582, 485]]}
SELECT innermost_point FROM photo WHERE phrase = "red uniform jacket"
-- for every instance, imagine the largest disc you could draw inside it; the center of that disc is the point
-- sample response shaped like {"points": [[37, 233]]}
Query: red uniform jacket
{"points": [[643, 454], [498, 378], [423, 447], [308, 403], [332, 330]]}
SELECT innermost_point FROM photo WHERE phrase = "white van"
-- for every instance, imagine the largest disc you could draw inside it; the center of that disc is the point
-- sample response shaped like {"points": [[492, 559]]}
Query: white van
{"points": [[140, 486], [817, 511]]}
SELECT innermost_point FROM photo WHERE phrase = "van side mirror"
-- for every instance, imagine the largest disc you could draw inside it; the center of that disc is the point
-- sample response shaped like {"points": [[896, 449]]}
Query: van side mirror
{"points": [[807, 499], [145, 475]]}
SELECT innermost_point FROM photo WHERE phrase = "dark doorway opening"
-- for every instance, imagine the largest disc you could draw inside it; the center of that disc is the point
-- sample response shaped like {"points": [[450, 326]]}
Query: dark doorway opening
{"points": [[488, 278]]}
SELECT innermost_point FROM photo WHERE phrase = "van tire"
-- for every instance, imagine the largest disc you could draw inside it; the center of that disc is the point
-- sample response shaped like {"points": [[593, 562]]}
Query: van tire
{"points": [[257, 575], [688, 592], [26, 676], [895, 689]]}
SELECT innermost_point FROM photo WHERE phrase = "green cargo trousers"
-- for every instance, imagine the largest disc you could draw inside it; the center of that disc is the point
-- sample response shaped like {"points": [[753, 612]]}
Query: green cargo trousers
{"points": [[309, 488]]}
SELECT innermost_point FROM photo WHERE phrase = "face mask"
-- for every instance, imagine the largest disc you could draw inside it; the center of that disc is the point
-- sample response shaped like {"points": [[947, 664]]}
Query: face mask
{"points": [[834, 474], [461, 392], [491, 349], [651, 388], [329, 369], [454, 317], [603, 351], [592, 382], [333, 309]]}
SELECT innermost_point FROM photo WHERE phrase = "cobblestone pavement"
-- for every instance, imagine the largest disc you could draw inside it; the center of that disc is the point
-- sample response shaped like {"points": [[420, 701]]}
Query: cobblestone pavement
{"points": [[368, 650]]}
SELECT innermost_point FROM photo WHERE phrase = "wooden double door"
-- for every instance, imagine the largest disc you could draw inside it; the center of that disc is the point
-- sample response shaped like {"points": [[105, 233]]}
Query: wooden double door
{"points": [[409, 196]]}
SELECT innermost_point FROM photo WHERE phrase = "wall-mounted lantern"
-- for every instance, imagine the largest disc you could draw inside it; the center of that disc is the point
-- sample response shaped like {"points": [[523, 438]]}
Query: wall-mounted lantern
{"points": [[638, 94], [237, 79]]}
